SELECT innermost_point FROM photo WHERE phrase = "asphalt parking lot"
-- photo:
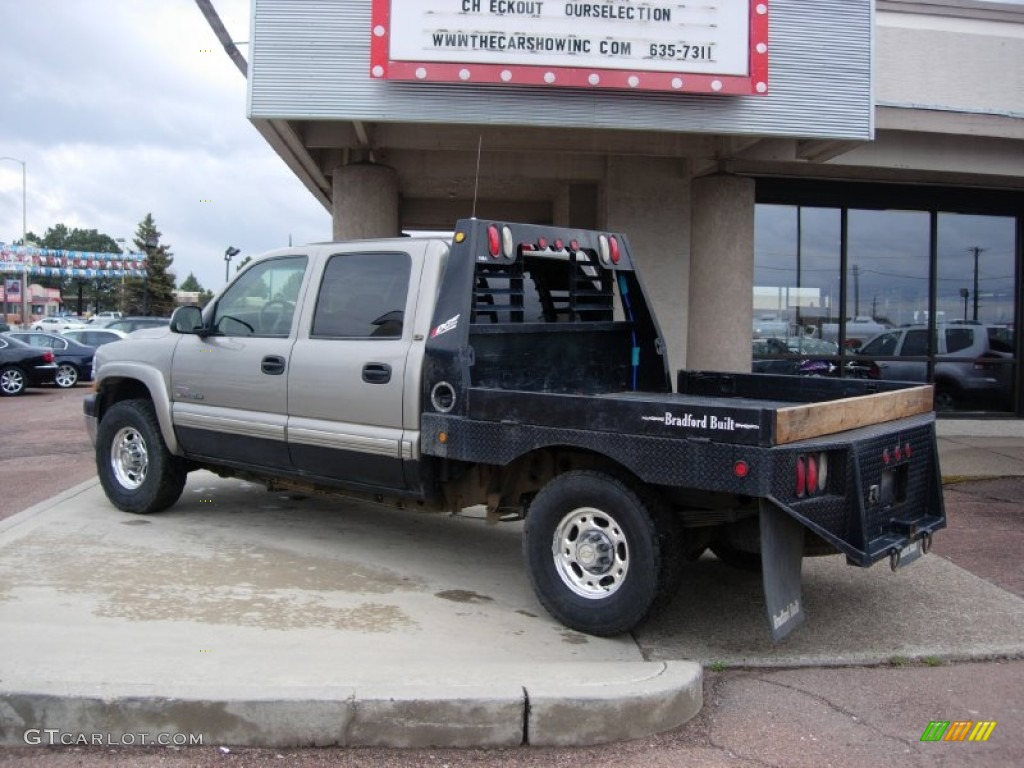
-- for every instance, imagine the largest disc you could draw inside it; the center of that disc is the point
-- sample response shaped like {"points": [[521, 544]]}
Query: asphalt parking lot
{"points": [[762, 706]]}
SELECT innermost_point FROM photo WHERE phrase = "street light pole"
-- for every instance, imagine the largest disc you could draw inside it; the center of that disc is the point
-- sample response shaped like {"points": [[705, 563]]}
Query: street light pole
{"points": [[24, 242], [229, 254]]}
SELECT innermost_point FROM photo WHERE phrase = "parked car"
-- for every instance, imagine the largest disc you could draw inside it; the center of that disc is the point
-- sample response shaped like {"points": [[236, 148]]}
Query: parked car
{"points": [[56, 324], [24, 366], [129, 324], [768, 358], [107, 315], [974, 362], [74, 360], [4, 327], [94, 337]]}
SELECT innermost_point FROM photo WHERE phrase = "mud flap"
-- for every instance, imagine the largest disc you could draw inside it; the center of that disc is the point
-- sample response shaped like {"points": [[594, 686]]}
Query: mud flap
{"points": [[782, 550]]}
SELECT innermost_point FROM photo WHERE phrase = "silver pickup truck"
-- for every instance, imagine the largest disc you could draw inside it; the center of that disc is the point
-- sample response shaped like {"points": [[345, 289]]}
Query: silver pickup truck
{"points": [[520, 367]]}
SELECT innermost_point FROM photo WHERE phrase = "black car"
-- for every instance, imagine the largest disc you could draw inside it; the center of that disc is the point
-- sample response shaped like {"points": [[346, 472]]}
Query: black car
{"points": [[74, 360], [24, 366], [129, 324]]}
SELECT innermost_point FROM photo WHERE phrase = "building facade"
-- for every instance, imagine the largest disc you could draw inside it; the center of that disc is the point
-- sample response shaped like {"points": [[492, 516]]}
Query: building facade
{"points": [[828, 168]]}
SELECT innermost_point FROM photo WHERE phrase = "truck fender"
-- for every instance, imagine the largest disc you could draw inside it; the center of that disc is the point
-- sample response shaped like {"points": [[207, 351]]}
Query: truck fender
{"points": [[116, 372]]}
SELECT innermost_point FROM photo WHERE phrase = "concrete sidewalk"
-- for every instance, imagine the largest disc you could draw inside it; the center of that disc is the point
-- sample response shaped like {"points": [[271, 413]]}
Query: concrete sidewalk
{"points": [[263, 618]]}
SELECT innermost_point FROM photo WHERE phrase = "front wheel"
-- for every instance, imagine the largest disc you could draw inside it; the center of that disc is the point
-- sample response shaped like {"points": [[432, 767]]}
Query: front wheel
{"points": [[596, 555], [136, 470], [67, 376]]}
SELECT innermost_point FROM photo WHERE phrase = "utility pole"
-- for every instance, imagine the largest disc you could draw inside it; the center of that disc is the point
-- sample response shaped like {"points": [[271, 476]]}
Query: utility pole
{"points": [[976, 251]]}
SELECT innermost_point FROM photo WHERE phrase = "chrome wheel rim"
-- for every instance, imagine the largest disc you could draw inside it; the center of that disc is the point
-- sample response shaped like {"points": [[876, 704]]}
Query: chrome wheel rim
{"points": [[590, 553], [129, 458], [67, 376], [12, 381]]}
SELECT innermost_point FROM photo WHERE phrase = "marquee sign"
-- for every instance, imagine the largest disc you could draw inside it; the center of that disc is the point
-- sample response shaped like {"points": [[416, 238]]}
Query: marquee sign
{"points": [[52, 262], [717, 46]]}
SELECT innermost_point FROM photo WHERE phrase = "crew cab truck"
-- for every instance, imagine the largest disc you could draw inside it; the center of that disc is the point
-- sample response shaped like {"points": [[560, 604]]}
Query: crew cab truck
{"points": [[518, 367]]}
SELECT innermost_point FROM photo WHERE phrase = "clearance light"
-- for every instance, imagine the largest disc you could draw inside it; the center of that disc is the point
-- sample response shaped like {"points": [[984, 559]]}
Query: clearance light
{"points": [[741, 469], [559, 245], [604, 250], [542, 244], [906, 450], [507, 246], [613, 245], [493, 241], [574, 245], [460, 236], [886, 458], [801, 476]]}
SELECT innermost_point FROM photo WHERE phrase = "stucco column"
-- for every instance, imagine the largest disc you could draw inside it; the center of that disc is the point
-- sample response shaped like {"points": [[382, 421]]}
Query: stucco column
{"points": [[721, 305], [365, 201], [648, 200]]}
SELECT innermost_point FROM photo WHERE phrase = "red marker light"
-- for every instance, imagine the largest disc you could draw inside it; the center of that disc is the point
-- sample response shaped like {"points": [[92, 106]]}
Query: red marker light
{"points": [[613, 248], [574, 245], [801, 477], [812, 474], [559, 245], [906, 450], [741, 469], [885, 456], [542, 243], [493, 241]]}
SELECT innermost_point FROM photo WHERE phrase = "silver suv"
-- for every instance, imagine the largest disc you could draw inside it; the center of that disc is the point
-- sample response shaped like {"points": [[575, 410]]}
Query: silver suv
{"points": [[974, 363]]}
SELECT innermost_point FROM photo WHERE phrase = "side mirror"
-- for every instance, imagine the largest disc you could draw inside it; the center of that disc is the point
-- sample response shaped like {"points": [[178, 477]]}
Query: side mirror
{"points": [[187, 320]]}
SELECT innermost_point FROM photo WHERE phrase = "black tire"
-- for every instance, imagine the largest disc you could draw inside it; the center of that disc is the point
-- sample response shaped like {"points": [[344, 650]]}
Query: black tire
{"points": [[946, 398], [12, 381], [67, 376], [587, 517], [136, 470]]}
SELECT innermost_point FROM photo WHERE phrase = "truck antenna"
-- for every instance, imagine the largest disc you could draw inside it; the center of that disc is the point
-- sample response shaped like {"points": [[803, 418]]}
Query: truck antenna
{"points": [[476, 180]]}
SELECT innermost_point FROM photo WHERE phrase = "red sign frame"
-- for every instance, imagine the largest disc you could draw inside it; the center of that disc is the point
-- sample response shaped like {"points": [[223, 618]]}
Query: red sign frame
{"points": [[383, 67]]}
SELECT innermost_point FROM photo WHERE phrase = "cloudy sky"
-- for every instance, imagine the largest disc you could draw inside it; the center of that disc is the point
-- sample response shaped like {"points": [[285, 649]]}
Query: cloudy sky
{"points": [[126, 107]]}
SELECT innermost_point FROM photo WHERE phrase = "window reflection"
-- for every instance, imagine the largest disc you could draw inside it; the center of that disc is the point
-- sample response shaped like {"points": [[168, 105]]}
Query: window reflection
{"points": [[894, 320]]}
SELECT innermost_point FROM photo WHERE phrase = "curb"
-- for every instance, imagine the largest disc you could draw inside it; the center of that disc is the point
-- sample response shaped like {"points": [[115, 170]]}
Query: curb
{"points": [[657, 697]]}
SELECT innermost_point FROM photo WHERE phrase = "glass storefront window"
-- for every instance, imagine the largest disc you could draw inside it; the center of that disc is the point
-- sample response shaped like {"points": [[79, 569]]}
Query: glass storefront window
{"points": [[926, 295]]}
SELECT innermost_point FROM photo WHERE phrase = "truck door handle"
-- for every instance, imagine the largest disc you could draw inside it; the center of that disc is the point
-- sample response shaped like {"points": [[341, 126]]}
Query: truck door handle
{"points": [[272, 365], [376, 373]]}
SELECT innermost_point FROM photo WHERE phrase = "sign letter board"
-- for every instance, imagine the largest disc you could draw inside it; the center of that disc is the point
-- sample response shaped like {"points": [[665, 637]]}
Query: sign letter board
{"points": [[720, 46]]}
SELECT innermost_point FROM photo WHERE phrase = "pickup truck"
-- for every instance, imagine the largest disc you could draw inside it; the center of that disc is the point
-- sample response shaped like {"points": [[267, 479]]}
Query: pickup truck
{"points": [[518, 367]]}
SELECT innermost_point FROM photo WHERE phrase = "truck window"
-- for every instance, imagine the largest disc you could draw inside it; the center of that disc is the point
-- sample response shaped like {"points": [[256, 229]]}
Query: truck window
{"points": [[362, 296], [262, 301]]}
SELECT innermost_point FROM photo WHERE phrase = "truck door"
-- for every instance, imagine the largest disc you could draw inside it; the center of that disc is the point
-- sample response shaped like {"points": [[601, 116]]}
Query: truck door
{"points": [[229, 390], [347, 375]]}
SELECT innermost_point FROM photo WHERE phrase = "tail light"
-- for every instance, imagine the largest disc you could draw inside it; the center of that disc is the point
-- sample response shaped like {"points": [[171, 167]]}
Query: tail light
{"points": [[47, 356], [811, 474]]}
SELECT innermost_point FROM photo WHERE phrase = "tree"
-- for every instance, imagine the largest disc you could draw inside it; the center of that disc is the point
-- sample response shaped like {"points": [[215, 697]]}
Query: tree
{"points": [[99, 292], [154, 293]]}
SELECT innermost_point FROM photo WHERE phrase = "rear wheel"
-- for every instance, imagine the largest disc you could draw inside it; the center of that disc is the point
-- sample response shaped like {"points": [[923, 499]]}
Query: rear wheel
{"points": [[67, 375], [12, 381], [599, 558], [136, 470]]}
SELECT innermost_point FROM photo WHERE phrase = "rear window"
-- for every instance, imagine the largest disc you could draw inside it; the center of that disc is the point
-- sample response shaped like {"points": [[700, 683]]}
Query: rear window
{"points": [[959, 339], [1000, 340]]}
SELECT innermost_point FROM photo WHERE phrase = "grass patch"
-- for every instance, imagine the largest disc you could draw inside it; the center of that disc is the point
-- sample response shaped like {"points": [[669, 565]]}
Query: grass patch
{"points": [[898, 661], [933, 661], [718, 666]]}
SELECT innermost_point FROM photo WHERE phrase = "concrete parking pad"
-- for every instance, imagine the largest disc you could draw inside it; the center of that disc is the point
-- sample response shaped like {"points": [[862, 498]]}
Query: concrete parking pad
{"points": [[267, 618]]}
